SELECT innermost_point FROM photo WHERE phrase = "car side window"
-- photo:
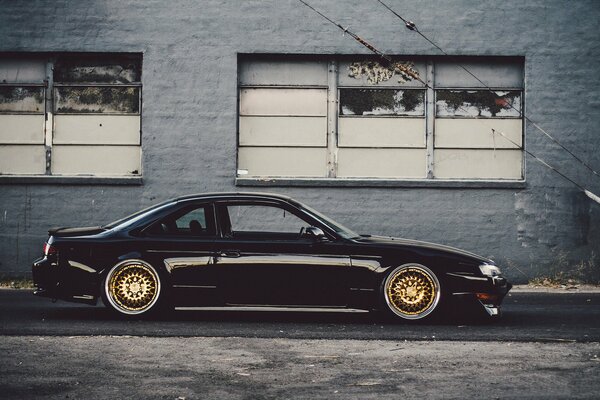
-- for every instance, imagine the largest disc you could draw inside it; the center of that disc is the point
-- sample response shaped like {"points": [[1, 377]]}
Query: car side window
{"points": [[185, 220], [262, 220], [190, 221]]}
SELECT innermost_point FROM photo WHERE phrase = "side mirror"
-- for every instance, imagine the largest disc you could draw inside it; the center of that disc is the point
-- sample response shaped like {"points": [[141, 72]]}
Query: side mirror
{"points": [[315, 234]]}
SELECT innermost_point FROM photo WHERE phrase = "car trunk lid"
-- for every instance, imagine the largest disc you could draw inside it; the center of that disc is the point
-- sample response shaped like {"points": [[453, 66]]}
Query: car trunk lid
{"points": [[83, 231]]}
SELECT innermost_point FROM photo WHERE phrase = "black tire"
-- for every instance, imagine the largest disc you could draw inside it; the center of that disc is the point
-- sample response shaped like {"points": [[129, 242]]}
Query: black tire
{"points": [[133, 288], [411, 292]]}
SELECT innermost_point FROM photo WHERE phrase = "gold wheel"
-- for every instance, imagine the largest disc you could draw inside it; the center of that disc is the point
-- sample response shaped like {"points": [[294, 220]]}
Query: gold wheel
{"points": [[132, 287], [412, 291]]}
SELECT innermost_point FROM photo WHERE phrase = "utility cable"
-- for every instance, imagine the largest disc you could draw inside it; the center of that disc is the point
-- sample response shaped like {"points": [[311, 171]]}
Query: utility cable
{"points": [[388, 60], [352, 34], [541, 161], [413, 27]]}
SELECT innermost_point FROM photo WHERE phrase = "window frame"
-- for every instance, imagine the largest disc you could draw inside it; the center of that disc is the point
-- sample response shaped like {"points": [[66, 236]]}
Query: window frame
{"points": [[298, 213], [263, 230], [49, 111], [430, 115], [185, 208]]}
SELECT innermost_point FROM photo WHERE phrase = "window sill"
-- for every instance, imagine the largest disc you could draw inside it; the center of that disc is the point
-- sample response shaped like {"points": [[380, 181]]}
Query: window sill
{"points": [[391, 183], [70, 180]]}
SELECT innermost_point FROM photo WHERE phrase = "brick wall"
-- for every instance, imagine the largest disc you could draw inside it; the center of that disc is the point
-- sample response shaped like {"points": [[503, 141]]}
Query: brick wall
{"points": [[189, 115]]}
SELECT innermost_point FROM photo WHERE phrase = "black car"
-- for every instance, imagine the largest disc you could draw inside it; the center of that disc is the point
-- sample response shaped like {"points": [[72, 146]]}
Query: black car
{"points": [[256, 249]]}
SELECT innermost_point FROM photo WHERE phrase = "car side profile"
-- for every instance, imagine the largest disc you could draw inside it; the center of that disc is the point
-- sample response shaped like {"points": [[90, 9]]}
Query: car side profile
{"points": [[256, 249]]}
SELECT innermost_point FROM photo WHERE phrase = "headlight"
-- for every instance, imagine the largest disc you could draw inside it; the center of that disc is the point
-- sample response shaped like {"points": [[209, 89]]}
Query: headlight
{"points": [[490, 270]]}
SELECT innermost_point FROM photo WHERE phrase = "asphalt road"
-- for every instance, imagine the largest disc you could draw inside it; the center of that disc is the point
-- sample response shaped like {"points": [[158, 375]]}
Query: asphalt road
{"points": [[546, 346], [528, 317]]}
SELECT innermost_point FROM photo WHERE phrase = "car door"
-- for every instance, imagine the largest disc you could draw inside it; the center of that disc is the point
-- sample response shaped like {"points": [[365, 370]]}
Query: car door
{"points": [[184, 243], [263, 259]]}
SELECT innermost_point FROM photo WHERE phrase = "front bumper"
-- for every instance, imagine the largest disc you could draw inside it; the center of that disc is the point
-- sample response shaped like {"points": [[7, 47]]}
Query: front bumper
{"points": [[485, 293]]}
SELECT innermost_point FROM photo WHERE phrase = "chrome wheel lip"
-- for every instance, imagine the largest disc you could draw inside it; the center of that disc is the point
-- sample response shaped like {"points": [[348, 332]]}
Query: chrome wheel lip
{"points": [[109, 296], [431, 307]]}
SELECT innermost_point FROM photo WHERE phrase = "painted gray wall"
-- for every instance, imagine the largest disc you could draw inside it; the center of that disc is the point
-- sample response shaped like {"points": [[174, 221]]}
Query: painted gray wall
{"points": [[189, 115]]}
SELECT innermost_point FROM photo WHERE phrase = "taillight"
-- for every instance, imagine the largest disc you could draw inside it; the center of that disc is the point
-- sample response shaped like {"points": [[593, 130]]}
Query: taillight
{"points": [[49, 250]]}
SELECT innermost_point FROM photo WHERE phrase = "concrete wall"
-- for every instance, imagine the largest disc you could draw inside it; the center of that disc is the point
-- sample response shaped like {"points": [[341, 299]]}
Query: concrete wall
{"points": [[190, 115]]}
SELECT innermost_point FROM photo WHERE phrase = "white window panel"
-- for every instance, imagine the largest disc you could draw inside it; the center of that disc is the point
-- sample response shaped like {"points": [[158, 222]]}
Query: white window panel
{"points": [[285, 72], [283, 131], [96, 160], [22, 70], [475, 133], [381, 132], [282, 162], [301, 102], [381, 163], [96, 129], [496, 73], [22, 159], [395, 80], [478, 164], [22, 129]]}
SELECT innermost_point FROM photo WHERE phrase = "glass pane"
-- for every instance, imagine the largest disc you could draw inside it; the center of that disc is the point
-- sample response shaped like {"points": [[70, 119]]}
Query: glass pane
{"points": [[98, 69], [187, 221], [263, 219], [382, 102], [195, 222], [478, 103], [19, 99], [98, 100]]}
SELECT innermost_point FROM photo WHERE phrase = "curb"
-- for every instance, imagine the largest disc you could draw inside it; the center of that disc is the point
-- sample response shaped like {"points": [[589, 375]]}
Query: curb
{"points": [[559, 290]]}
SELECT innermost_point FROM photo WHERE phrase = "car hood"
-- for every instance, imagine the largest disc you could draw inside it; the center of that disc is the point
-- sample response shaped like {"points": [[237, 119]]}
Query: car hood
{"points": [[387, 241]]}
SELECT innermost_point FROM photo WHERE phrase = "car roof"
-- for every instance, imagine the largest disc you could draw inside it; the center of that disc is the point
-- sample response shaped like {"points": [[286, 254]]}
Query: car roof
{"points": [[234, 195]]}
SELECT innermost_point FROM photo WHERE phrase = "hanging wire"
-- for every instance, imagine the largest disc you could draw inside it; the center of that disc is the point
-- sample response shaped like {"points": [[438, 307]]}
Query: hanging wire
{"points": [[347, 30], [413, 27], [388, 60], [544, 163], [517, 145]]}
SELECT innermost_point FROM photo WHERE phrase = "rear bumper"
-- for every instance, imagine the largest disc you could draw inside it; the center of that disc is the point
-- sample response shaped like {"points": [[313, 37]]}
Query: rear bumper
{"points": [[48, 281], [45, 277]]}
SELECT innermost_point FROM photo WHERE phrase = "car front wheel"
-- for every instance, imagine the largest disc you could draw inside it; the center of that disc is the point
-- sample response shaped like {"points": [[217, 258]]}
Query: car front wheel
{"points": [[132, 287], [411, 291]]}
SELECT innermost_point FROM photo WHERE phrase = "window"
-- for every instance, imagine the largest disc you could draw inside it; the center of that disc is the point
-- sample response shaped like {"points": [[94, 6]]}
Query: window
{"points": [[22, 107], [191, 221], [344, 117], [263, 219], [70, 115]]}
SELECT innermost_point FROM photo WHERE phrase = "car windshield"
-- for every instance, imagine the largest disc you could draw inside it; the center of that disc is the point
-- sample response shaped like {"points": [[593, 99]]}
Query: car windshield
{"points": [[340, 229], [136, 215]]}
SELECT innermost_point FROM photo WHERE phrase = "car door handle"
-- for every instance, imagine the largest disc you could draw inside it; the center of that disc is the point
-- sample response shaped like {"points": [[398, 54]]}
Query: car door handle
{"points": [[230, 254]]}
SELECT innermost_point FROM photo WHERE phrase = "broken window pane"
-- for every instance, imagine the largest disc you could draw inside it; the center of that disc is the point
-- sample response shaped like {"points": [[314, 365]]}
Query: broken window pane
{"points": [[382, 102], [125, 69], [478, 103], [97, 99], [19, 99]]}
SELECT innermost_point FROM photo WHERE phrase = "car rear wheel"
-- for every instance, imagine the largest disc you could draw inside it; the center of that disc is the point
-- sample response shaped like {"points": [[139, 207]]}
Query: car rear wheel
{"points": [[411, 291], [132, 287]]}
